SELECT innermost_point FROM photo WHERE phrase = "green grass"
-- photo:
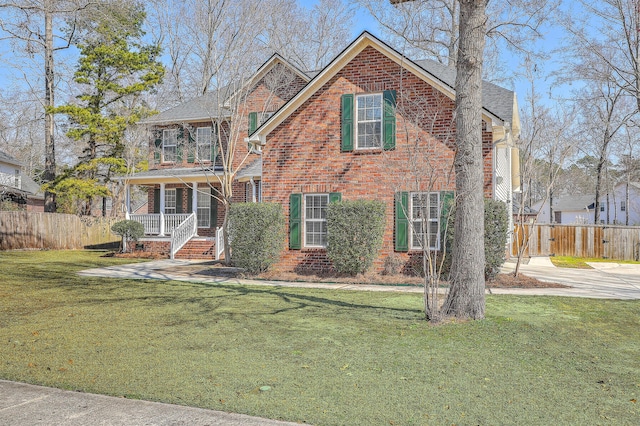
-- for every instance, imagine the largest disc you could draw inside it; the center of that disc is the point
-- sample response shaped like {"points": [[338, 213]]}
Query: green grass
{"points": [[330, 357], [581, 262]]}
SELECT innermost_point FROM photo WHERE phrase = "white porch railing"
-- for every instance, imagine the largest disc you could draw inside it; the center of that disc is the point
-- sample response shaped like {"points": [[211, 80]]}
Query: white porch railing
{"points": [[183, 232], [159, 223], [151, 222], [219, 242]]}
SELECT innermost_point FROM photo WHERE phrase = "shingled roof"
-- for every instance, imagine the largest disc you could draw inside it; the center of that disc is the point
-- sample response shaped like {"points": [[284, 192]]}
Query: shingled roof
{"points": [[6, 158], [497, 100]]}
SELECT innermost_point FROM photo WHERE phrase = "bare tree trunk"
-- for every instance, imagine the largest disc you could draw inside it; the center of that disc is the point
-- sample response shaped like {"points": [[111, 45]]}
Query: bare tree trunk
{"points": [[49, 143], [466, 294]]}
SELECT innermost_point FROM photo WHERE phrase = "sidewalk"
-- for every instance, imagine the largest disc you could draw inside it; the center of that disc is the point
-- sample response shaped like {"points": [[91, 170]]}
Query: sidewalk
{"points": [[22, 404], [606, 280]]}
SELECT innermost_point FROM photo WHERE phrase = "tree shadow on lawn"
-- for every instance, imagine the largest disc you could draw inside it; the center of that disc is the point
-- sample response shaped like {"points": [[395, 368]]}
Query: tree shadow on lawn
{"points": [[211, 297]]}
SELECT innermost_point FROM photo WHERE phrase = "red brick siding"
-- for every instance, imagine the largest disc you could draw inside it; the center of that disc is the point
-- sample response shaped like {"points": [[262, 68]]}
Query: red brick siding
{"points": [[303, 153]]}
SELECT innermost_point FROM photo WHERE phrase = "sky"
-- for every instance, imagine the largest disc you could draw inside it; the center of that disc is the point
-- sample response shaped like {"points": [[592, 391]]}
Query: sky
{"points": [[544, 85]]}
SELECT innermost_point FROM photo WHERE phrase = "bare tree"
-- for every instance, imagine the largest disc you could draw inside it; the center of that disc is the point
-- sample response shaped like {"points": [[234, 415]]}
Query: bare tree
{"points": [[31, 23]]}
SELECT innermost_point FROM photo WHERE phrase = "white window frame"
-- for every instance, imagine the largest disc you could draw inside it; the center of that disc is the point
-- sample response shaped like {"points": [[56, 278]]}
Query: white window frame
{"points": [[416, 221], [170, 141], [359, 121], [16, 179], [203, 215], [200, 144], [308, 221], [170, 201]]}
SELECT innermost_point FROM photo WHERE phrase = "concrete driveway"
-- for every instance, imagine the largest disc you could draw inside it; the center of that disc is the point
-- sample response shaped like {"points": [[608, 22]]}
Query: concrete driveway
{"points": [[605, 281]]}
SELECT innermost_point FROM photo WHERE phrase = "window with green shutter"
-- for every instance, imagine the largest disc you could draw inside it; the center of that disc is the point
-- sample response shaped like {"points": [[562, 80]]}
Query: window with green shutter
{"points": [[419, 217], [157, 150], [368, 121]]}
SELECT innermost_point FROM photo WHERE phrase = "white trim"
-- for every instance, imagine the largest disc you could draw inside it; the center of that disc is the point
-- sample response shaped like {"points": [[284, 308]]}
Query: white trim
{"points": [[428, 220]]}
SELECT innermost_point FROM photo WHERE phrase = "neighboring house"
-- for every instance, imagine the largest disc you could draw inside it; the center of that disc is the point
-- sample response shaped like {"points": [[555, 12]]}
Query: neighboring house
{"points": [[622, 206], [575, 209], [17, 188], [371, 125], [615, 208]]}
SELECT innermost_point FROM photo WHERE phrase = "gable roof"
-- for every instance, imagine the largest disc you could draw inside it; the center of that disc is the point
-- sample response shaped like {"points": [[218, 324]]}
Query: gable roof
{"points": [[215, 104], [574, 203], [429, 71], [6, 158]]}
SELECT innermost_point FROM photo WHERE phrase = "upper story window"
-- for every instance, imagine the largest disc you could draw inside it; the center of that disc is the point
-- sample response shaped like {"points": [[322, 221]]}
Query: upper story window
{"points": [[369, 121], [16, 178], [169, 145], [203, 143]]}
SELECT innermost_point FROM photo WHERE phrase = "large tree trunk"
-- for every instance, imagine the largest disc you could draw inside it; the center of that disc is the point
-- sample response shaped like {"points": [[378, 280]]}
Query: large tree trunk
{"points": [[466, 294], [49, 145]]}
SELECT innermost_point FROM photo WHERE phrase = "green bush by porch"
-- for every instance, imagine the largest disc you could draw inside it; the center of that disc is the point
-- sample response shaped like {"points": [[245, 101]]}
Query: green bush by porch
{"points": [[257, 235]]}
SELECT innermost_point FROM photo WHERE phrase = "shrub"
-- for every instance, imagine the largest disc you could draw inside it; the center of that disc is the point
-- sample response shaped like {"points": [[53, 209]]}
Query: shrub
{"points": [[354, 234], [257, 235], [129, 230], [496, 223]]}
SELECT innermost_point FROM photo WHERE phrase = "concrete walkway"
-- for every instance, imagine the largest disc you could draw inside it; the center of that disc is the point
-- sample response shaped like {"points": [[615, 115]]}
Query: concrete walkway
{"points": [[22, 404], [606, 280]]}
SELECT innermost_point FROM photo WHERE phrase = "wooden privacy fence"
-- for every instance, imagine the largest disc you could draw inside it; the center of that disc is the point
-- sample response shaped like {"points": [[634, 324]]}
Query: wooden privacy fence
{"points": [[29, 230], [600, 241]]}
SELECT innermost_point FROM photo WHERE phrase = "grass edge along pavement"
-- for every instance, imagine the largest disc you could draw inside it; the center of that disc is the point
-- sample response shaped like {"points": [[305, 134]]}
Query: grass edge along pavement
{"points": [[328, 357]]}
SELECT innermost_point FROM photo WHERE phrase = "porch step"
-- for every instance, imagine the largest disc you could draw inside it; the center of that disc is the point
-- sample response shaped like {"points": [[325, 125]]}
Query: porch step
{"points": [[197, 249]]}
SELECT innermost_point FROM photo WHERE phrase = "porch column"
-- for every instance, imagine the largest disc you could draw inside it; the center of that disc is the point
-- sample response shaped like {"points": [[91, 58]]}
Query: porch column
{"points": [[194, 204], [253, 190], [127, 201], [162, 209]]}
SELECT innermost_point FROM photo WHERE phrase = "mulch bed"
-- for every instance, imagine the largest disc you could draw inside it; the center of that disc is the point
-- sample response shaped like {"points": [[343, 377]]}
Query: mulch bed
{"points": [[216, 269]]}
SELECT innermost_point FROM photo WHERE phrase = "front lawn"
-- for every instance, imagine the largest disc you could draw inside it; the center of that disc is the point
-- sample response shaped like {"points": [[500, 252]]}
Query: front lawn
{"points": [[328, 357], [581, 262]]}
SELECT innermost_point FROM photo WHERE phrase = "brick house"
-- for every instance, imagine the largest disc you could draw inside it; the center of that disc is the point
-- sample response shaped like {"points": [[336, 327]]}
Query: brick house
{"points": [[371, 125], [376, 125], [186, 160]]}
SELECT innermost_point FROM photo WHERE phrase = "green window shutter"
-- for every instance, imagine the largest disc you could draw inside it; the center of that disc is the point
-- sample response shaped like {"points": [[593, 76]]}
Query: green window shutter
{"points": [[347, 123], [447, 199], [213, 210], [401, 221], [179, 208], [191, 147], [179, 145], [253, 122], [156, 200], [189, 200], [157, 152], [335, 197], [295, 221], [389, 119]]}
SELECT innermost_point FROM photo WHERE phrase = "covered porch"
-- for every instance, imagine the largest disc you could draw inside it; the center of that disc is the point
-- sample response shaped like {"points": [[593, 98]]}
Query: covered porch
{"points": [[181, 212]]}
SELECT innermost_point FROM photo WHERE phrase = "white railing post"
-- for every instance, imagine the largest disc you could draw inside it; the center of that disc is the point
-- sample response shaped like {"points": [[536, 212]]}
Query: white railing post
{"points": [[161, 233]]}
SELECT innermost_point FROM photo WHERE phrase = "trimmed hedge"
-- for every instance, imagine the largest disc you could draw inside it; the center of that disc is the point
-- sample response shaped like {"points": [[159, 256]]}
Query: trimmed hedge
{"points": [[496, 224], [129, 230], [257, 235], [354, 234]]}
